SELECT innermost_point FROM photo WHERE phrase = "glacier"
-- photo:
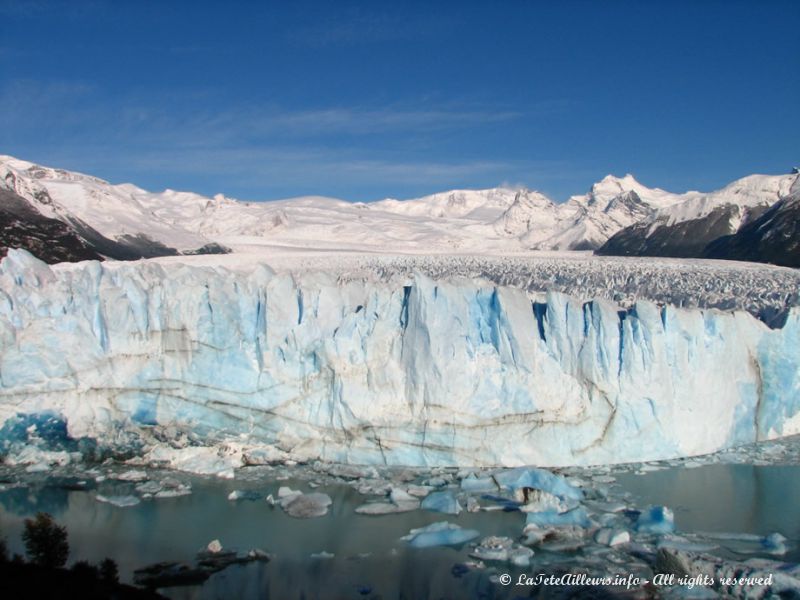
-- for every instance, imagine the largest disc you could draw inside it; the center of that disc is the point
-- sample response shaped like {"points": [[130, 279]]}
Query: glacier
{"points": [[420, 372]]}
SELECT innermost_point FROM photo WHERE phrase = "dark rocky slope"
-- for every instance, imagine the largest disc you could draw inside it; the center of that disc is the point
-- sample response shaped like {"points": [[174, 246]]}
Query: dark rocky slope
{"points": [[774, 237], [72, 240]]}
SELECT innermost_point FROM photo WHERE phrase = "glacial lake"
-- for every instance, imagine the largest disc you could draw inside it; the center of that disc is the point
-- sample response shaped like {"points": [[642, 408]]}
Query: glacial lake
{"points": [[370, 560], [726, 498]]}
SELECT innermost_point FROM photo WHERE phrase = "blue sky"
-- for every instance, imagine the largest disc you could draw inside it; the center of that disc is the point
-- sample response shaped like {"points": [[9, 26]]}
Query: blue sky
{"points": [[368, 100]]}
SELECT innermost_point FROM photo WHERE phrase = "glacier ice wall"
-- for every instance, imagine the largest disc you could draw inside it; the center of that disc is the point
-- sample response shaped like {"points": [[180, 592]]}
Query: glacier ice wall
{"points": [[433, 372]]}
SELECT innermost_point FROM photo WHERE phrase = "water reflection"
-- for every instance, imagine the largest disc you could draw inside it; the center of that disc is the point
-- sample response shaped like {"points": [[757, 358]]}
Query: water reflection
{"points": [[29, 500], [726, 498]]}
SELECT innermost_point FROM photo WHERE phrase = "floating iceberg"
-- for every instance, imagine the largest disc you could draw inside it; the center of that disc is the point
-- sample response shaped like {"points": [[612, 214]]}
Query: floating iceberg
{"points": [[441, 533], [443, 502], [551, 518], [399, 501], [608, 536], [538, 479], [306, 506], [502, 549], [471, 483], [252, 495], [119, 501], [656, 519]]}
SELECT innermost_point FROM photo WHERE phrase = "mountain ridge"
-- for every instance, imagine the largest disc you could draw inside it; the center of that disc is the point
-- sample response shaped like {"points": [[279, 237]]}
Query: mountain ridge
{"points": [[124, 221]]}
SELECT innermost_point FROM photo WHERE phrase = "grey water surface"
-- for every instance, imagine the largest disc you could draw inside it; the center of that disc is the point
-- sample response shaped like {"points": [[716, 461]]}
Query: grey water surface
{"points": [[369, 558]]}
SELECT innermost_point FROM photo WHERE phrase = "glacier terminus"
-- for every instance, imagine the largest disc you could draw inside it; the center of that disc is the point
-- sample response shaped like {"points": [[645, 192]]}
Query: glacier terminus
{"points": [[407, 371]]}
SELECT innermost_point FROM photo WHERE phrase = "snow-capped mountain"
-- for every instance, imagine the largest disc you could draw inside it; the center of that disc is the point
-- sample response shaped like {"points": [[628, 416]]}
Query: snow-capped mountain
{"points": [[116, 221], [686, 228], [24, 227], [94, 218], [586, 222], [773, 237]]}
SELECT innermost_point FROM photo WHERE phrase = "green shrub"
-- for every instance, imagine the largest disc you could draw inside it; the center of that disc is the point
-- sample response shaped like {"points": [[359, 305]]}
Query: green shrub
{"points": [[84, 570], [45, 541], [108, 571]]}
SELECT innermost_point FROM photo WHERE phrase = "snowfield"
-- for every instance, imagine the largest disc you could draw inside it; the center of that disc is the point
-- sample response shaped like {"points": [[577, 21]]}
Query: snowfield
{"points": [[405, 360], [764, 291]]}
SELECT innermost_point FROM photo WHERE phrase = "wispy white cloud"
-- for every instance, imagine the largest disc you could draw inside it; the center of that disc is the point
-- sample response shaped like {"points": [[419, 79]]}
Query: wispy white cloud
{"points": [[172, 137], [364, 121], [186, 119], [269, 173]]}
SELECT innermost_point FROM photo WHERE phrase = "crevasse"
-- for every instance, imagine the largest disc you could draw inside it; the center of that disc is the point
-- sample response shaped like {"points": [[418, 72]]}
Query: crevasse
{"points": [[431, 372]]}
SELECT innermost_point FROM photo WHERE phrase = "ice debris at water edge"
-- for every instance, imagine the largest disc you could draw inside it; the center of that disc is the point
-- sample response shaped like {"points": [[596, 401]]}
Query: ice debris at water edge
{"points": [[576, 518]]}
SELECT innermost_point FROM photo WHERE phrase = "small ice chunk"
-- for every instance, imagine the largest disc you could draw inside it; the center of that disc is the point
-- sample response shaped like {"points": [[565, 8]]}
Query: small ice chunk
{"points": [[538, 479], [551, 518], [369, 487], [520, 556], [399, 496], [436, 482], [175, 492], [656, 519], [120, 501], [562, 539], [774, 543], [607, 507], [322, 555], [379, 508], [33, 456], [306, 506], [201, 460], [419, 491], [441, 533], [258, 554], [244, 495], [502, 502], [532, 535], [493, 548], [443, 502], [37, 468], [172, 488], [346, 471], [149, 488], [387, 508], [263, 455], [649, 468], [214, 547], [538, 501], [399, 501], [609, 536], [474, 484], [285, 491], [133, 475]]}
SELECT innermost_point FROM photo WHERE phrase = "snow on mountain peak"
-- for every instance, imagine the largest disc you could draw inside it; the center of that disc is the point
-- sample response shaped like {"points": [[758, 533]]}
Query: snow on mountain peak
{"points": [[742, 195], [501, 219]]}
